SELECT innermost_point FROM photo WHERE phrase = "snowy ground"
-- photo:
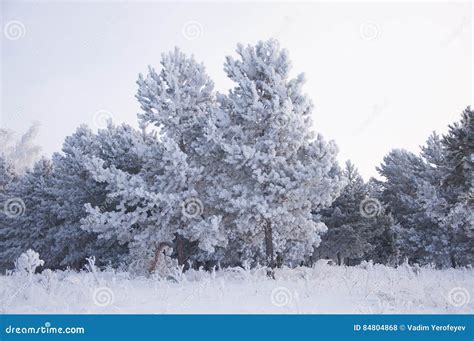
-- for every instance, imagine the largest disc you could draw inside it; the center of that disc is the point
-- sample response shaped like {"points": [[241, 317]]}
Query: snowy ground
{"points": [[321, 289]]}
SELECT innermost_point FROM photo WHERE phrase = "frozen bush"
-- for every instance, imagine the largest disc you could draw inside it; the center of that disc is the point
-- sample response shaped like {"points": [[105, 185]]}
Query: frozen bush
{"points": [[28, 262]]}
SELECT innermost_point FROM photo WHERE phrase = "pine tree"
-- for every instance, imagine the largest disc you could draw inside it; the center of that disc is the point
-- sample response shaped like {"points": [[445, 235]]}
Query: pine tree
{"points": [[348, 231], [74, 186], [27, 215], [382, 226], [23, 152], [148, 203], [180, 101], [54, 194], [446, 193], [7, 175], [166, 201], [8, 180], [459, 147], [404, 174], [275, 170], [430, 196], [458, 188], [358, 226]]}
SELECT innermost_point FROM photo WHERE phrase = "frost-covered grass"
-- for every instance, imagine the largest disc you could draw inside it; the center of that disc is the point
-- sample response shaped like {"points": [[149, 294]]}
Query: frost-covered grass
{"points": [[322, 289]]}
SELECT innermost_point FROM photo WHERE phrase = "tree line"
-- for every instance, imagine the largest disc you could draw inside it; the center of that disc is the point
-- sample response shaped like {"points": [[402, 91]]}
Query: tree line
{"points": [[235, 179]]}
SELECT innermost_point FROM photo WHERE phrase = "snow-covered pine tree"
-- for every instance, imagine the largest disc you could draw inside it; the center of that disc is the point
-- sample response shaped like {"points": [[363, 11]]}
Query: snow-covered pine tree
{"points": [[7, 176], [27, 215], [8, 180], [148, 203], [180, 101], [382, 235], [275, 170], [22, 152], [347, 238], [358, 226], [431, 197], [75, 186], [458, 188], [166, 202], [416, 231], [430, 193], [458, 144], [54, 194]]}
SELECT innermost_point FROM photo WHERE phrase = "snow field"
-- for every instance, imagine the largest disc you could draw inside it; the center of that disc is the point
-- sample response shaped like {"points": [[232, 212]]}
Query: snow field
{"points": [[323, 289]]}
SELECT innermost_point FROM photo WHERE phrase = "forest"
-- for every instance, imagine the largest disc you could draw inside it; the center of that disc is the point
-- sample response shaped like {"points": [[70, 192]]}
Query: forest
{"points": [[235, 179]]}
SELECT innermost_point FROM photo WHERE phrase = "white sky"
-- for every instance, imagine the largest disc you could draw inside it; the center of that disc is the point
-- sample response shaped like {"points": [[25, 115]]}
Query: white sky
{"points": [[381, 75]]}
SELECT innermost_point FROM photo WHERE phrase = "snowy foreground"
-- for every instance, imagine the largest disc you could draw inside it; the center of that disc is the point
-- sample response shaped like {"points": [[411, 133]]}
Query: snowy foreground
{"points": [[324, 289]]}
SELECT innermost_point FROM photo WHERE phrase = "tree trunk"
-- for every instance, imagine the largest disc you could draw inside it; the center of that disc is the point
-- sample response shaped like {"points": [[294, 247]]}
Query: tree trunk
{"points": [[453, 261], [180, 249], [158, 249], [269, 248]]}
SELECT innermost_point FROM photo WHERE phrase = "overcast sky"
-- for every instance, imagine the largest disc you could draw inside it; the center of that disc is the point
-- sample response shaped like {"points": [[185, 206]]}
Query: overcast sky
{"points": [[381, 75]]}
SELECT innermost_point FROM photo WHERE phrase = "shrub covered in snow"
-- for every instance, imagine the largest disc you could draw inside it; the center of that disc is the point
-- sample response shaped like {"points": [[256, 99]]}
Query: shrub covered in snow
{"points": [[28, 262]]}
